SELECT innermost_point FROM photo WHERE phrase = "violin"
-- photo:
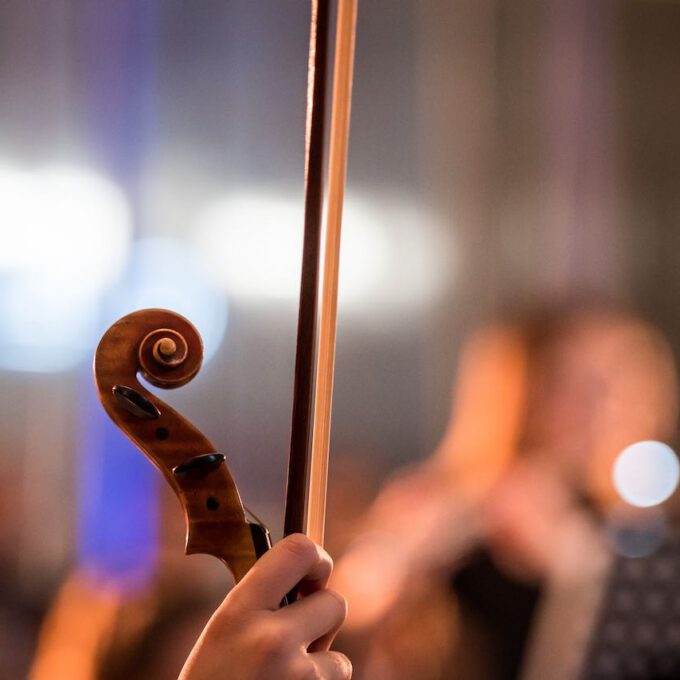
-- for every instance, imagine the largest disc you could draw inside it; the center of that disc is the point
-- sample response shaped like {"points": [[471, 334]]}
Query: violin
{"points": [[166, 350]]}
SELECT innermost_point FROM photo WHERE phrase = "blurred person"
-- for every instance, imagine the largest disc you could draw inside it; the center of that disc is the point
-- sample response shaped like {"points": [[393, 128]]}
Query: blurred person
{"points": [[511, 509], [249, 636]]}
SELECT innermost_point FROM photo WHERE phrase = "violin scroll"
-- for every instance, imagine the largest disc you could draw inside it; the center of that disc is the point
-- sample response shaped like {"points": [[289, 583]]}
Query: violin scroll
{"points": [[167, 351], [170, 358]]}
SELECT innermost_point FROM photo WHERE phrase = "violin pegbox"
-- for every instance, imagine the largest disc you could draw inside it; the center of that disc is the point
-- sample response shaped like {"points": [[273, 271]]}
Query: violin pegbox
{"points": [[167, 351]]}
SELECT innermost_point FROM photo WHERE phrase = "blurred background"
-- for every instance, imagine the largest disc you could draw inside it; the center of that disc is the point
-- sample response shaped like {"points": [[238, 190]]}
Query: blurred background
{"points": [[505, 157]]}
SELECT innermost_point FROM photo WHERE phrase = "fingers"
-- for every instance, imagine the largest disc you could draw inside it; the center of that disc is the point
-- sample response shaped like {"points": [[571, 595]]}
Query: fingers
{"points": [[332, 665], [296, 558], [315, 618], [251, 636]]}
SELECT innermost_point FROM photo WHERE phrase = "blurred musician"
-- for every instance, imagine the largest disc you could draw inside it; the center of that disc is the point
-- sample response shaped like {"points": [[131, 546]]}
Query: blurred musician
{"points": [[497, 544]]}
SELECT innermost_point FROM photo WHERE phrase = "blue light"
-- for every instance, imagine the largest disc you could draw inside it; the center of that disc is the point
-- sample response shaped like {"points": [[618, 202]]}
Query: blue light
{"points": [[118, 502]]}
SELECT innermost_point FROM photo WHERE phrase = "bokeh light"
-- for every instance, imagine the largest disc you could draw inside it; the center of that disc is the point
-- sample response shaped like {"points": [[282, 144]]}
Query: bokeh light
{"points": [[251, 244], [646, 473], [61, 226]]}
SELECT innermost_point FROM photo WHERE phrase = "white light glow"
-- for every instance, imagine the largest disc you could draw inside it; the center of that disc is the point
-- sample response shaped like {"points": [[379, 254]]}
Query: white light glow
{"points": [[390, 255], [163, 272], [65, 234], [646, 473], [251, 245], [64, 224]]}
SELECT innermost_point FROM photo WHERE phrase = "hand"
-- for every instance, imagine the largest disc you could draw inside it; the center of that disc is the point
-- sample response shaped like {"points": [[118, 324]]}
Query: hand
{"points": [[250, 637], [535, 526], [419, 525]]}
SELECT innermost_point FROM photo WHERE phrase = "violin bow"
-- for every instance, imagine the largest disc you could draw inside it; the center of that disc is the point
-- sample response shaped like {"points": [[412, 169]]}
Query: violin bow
{"points": [[337, 172], [165, 349], [300, 434], [306, 507]]}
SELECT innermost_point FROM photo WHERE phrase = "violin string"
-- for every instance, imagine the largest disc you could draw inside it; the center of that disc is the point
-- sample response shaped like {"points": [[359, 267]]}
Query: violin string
{"points": [[257, 519]]}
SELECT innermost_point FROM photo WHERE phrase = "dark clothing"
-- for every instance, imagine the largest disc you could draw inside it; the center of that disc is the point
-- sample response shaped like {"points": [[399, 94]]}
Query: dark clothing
{"points": [[496, 613]]}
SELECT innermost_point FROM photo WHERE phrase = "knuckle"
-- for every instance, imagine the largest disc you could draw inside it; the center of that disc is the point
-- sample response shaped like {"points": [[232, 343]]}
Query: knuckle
{"points": [[308, 671], [301, 547], [225, 618], [232, 604], [339, 603], [343, 666], [271, 641], [301, 668]]}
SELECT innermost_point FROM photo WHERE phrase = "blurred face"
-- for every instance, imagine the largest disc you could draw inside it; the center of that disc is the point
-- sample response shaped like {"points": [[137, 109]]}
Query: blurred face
{"points": [[600, 385], [568, 391]]}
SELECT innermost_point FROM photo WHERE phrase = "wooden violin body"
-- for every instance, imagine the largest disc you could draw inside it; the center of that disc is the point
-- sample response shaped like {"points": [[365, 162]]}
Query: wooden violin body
{"points": [[167, 351]]}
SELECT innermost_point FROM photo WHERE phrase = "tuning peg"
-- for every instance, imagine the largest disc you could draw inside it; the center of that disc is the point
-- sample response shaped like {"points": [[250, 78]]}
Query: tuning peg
{"points": [[199, 466], [135, 402]]}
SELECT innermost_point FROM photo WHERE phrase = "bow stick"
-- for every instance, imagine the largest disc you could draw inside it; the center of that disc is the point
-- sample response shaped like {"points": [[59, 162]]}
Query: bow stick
{"points": [[298, 460], [323, 394], [297, 498]]}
